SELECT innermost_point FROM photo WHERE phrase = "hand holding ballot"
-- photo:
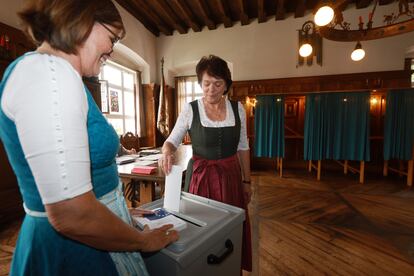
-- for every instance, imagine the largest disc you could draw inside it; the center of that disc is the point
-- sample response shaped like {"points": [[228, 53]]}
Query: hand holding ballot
{"points": [[165, 215], [166, 161]]}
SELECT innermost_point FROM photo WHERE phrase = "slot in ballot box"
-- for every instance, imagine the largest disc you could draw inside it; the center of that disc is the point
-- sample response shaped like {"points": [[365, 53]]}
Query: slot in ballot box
{"points": [[210, 244]]}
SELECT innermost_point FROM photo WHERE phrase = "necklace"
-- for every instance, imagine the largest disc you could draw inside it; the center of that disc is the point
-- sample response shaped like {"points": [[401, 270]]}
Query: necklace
{"points": [[218, 113]]}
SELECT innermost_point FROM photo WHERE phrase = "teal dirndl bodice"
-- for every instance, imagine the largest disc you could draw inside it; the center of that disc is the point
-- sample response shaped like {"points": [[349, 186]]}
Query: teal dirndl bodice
{"points": [[40, 250]]}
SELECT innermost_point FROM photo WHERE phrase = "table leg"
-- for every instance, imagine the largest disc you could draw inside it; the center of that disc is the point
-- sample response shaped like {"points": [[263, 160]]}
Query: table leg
{"points": [[146, 191], [130, 190]]}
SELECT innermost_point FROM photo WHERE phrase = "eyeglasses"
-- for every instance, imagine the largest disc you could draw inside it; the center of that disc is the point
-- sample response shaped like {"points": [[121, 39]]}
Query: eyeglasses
{"points": [[115, 38]]}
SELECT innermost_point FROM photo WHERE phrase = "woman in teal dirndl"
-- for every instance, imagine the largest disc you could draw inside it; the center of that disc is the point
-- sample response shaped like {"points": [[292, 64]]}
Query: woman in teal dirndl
{"points": [[62, 149]]}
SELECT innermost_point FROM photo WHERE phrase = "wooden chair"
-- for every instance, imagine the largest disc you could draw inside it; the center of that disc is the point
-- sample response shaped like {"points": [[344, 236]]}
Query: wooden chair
{"points": [[129, 141]]}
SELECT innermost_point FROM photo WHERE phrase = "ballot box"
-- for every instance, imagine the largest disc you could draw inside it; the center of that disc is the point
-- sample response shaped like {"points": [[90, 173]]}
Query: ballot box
{"points": [[210, 244]]}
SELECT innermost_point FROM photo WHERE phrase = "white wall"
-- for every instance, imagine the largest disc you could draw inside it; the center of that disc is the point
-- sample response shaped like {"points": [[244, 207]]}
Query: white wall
{"points": [[142, 44], [256, 51], [137, 51], [269, 50]]}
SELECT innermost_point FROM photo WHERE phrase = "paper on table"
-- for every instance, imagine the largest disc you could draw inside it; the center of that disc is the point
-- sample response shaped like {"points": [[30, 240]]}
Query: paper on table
{"points": [[173, 189], [144, 163], [154, 157]]}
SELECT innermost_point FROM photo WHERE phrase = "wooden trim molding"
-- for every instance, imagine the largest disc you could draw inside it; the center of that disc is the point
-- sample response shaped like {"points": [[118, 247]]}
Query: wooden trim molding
{"points": [[327, 83]]}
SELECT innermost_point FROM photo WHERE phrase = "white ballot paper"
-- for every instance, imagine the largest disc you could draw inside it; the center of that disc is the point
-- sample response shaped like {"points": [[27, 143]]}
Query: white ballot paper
{"points": [[173, 189], [159, 218]]}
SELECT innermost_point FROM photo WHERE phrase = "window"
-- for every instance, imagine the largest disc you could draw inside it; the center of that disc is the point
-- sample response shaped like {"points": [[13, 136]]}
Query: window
{"points": [[123, 104], [188, 90]]}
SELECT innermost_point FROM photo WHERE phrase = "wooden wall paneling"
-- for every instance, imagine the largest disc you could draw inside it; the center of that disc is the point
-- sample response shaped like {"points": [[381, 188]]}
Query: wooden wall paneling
{"points": [[150, 103], [19, 42], [170, 97], [94, 87], [294, 125], [172, 106], [11, 204], [328, 83], [377, 115], [159, 139], [10, 199]]}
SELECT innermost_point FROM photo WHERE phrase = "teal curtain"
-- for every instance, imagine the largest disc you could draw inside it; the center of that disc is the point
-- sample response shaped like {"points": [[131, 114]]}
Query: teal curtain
{"points": [[269, 122], [337, 126], [399, 125]]}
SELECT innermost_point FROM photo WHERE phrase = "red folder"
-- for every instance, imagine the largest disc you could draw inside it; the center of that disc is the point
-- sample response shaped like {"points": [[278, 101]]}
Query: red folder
{"points": [[143, 169]]}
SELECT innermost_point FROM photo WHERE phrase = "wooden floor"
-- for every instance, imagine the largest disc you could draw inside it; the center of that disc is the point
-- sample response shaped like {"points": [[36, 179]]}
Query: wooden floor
{"points": [[333, 227]]}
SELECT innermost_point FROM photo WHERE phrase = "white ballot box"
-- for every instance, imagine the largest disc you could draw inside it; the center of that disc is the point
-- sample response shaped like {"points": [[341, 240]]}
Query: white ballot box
{"points": [[210, 244]]}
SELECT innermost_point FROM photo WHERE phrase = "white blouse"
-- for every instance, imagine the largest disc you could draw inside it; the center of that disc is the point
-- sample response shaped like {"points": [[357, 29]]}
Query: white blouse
{"points": [[45, 98], [185, 119]]}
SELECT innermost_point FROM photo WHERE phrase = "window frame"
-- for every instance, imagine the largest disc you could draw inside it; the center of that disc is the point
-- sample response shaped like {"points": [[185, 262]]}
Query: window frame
{"points": [[123, 90]]}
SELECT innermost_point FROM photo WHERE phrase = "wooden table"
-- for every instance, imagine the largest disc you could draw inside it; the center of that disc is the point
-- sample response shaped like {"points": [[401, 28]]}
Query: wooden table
{"points": [[145, 183]]}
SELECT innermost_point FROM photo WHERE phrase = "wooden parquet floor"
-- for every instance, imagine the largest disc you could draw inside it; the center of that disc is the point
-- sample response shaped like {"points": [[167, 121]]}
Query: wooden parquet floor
{"points": [[332, 227], [305, 227], [8, 239]]}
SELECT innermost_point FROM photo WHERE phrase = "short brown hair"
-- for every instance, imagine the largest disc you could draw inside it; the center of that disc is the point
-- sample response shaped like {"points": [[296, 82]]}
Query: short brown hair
{"points": [[66, 24], [215, 67]]}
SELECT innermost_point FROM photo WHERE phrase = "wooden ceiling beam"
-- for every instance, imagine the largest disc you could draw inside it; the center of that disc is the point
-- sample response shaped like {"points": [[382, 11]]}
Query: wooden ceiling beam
{"points": [[280, 10], [167, 14], [300, 8], [261, 14], [244, 18], [226, 19], [360, 4], [201, 7], [343, 5], [133, 10], [188, 17], [162, 26], [385, 2]]}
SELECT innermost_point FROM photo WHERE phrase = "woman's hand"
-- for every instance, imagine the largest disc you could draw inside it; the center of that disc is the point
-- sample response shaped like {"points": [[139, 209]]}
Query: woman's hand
{"points": [[166, 162], [247, 192], [158, 238], [131, 151]]}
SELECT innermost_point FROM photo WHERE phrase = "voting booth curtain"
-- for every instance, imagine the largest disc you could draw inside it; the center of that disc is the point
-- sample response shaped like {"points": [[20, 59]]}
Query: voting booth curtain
{"points": [[337, 126], [269, 124], [399, 125]]}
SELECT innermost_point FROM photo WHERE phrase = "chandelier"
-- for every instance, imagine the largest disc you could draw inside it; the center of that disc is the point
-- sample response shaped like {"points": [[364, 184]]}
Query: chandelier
{"points": [[329, 23]]}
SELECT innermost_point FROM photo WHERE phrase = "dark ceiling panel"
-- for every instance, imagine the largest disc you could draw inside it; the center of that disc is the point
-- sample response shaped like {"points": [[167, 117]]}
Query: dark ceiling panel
{"points": [[280, 10], [182, 10], [300, 8], [223, 10], [261, 13], [167, 16], [201, 9]]}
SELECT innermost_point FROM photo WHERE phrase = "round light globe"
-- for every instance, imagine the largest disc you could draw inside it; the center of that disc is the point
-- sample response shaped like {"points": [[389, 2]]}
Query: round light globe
{"points": [[305, 50], [358, 54], [324, 16]]}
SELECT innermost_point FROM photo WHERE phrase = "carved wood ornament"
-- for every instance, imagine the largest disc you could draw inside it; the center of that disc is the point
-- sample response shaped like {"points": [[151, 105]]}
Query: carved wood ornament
{"points": [[391, 27]]}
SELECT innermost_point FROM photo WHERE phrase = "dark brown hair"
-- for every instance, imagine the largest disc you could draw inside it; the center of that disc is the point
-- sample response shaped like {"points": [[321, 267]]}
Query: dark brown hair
{"points": [[215, 67], [66, 24]]}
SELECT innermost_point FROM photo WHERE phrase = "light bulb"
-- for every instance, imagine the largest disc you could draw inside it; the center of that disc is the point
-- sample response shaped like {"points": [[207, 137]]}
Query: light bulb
{"points": [[358, 53], [305, 50], [324, 16]]}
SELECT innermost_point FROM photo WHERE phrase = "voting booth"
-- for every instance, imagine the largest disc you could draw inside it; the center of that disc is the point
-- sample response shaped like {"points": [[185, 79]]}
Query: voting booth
{"points": [[210, 244]]}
